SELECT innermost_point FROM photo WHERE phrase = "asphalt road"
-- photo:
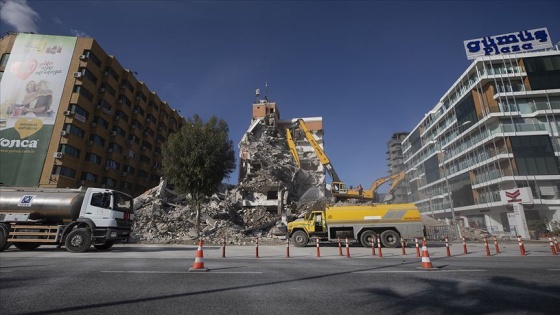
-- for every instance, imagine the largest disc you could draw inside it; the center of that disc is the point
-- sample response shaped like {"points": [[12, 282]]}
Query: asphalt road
{"points": [[153, 279]]}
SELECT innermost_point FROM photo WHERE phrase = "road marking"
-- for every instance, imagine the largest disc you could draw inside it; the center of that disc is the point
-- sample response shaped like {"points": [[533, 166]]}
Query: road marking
{"points": [[170, 272], [422, 270]]}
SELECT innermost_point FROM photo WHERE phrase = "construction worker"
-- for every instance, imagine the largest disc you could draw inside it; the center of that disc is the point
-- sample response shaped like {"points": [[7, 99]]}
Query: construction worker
{"points": [[360, 189]]}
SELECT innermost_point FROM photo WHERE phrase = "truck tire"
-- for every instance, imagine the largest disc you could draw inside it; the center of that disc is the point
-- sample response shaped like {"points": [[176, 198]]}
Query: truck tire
{"points": [[105, 246], [300, 238], [78, 241], [27, 246], [367, 238], [4, 237], [390, 239]]}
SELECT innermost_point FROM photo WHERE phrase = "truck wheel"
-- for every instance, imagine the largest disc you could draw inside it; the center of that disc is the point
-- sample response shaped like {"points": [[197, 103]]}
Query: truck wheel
{"points": [[78, 241], [105, 246], [300, 238], [27, 246], [4, 238], [367, 238], [390, 239]]}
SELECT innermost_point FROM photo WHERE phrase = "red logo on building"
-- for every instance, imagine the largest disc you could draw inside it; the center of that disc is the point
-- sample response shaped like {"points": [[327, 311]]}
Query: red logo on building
{"points": [[513, 195]]}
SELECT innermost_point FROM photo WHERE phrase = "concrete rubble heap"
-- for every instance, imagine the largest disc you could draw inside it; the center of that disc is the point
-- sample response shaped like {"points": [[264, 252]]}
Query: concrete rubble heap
{"points": [[233, 213]]}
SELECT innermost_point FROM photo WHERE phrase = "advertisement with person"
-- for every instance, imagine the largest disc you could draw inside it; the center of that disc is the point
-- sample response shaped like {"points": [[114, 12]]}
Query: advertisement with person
{"points": [[31, 89]]}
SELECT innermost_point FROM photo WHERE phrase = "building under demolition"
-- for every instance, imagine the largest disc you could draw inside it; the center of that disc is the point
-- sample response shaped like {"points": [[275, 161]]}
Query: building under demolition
{"points": [[268, 174]]}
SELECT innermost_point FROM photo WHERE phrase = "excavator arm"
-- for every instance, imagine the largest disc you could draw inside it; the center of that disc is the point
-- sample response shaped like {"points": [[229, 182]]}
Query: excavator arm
{"points": [[318, 150], [292, 146]]}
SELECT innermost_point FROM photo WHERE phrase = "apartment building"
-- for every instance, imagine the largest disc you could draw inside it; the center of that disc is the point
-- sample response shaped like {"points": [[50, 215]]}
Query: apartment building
{"points": [[395, 163], [71, 115], [488, 153]]}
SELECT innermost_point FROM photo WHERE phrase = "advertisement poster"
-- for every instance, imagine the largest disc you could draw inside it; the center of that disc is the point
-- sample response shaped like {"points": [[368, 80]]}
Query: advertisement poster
{"points": [[30, 93]]}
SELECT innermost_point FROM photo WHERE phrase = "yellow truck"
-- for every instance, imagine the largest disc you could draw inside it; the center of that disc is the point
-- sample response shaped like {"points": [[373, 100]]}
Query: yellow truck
{"points": [[361, 223]]}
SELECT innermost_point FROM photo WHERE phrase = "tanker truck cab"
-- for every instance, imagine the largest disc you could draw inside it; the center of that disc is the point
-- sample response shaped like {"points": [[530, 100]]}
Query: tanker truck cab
{"points": [[76, 218], [312, 224]]}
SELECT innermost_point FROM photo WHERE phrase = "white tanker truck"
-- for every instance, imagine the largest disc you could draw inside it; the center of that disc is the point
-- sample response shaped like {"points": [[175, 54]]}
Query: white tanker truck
{"points": [[75, 218]]}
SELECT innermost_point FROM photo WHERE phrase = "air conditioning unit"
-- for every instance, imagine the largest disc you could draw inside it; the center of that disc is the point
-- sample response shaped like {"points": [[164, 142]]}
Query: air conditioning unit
{"points": [[109, 150], [132, 126], [106, 73], [138, 97], [123, 86], [89, 142], [123, 174], [107, 168], [68, 113], [83, 57], [58, 155], [78, 75], [103, 186], [117, 117], [135, 111], [101, 90], [119, 101], [143, 148], [147, 119], [93, 124], [64, 133], [129, 141], [82, 182], [113, 133]]}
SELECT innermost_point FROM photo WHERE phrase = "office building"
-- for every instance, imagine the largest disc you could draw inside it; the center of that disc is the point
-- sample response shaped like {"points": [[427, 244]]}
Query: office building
{"points": [[492, 146], [71, 115]]}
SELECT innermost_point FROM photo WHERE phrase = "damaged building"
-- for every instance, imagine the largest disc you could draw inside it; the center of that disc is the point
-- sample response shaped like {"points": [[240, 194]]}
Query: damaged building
{"points": [[269, 176]]}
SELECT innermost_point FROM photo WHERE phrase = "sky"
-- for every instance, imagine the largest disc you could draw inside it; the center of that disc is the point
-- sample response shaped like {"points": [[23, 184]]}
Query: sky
{"points": [[368, 68]]}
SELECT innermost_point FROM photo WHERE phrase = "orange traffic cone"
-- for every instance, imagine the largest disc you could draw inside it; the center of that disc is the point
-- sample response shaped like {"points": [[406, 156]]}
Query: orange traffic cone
{"points": [[199, 261], [426, 263]]}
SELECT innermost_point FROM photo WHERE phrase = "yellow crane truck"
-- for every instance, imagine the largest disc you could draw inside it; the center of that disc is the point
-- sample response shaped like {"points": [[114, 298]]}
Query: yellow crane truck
{"points": [[361, 223]]}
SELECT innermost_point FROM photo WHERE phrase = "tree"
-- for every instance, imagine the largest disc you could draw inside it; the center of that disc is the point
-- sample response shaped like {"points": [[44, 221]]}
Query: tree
{"points": [[197, 158]]}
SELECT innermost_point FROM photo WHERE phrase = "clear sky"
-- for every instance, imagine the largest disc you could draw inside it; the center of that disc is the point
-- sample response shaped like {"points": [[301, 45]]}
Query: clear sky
{"points": [[369, 68]]}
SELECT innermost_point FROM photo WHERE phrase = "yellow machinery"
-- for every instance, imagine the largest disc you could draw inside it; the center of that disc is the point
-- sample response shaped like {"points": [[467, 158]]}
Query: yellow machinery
{"points": [[338, 188], [362, 223]]}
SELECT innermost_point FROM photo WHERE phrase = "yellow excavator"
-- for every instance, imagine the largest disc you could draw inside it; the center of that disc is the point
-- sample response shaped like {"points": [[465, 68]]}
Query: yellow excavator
{"points": [[338, 188]]}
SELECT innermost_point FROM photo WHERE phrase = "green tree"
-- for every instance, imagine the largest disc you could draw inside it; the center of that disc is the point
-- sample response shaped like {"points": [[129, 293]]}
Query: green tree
{"points": [[197, 158]]}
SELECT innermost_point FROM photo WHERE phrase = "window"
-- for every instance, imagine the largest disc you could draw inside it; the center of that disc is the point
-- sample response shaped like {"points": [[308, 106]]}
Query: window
{"points": [[89, 177], [112, 165], [102, 200], [69, 150], [79, 112], [534, 155], [94, 158], [101, 122], [97, 140], [91, 56], [74, 130], [83, 91], [64, 171]]}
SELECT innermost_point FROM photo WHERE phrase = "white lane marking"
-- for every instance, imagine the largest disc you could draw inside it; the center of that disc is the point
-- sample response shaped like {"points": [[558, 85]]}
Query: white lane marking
{"points": [[422, 270], [170, 272]]}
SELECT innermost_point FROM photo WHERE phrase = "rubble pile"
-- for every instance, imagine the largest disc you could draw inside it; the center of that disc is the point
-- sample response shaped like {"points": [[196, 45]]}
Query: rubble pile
{"points": [[170, 219]]}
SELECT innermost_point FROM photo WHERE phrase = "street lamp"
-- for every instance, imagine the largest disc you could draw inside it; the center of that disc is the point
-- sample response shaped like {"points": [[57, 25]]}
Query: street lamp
{"points": [[449, 192]]}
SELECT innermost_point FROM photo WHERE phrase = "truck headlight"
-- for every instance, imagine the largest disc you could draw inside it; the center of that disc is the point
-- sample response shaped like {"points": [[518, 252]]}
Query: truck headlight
{"points": [[113, 234]]}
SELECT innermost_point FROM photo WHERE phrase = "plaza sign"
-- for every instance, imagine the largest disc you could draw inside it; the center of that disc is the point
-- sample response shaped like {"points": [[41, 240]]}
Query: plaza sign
{"points": [[522, 41]]}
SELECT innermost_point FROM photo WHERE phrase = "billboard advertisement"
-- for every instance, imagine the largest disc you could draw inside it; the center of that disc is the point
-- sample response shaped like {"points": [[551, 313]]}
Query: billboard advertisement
{"points": [[510, 43], [30, 93]]}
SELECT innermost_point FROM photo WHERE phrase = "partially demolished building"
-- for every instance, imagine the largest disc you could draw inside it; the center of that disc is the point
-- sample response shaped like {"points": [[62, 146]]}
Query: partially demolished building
{"points": [[268, 175]]}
